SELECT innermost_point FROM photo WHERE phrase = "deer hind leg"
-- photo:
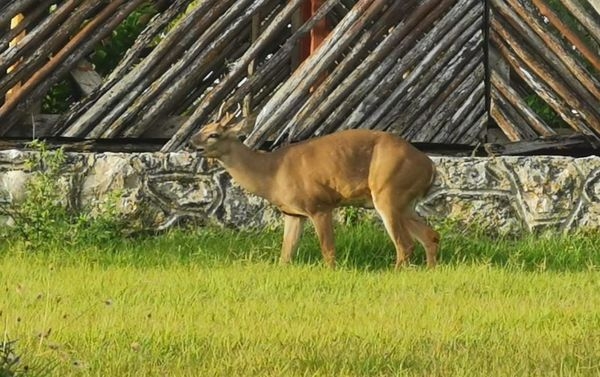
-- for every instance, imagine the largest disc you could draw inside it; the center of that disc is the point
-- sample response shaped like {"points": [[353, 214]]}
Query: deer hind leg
{"points": [[323, 222], [429, 238], [292, 230], [395, 225]]}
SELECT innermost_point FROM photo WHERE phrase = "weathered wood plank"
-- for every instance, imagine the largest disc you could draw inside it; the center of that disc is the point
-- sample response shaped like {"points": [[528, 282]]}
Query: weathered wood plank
{"points": [[572, 145], [431, 124], [346, 68], [146, 37], [36, 35], [174, 85], [518, 103], [211, 100], [467, 90], [542, 71], [176, 81], [89, 146], [371, 72], [469, 130], [538, 86], [175, 40], [60, 63], [37, 58], [278, 61], [446, 27], [433, 86], [505, 123], [79, 122], [247, 106], [34, 17], [589, 21], [480, 132], [127, 63], [555, 20], [217, 71], [515, 120], [14, 8], [188, 78], [384, 77], [548, 48], [292, 94], [163, 128]]}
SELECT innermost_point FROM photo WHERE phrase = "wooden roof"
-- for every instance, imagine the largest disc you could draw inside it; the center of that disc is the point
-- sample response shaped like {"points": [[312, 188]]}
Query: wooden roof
{"points": [[417, 67]]}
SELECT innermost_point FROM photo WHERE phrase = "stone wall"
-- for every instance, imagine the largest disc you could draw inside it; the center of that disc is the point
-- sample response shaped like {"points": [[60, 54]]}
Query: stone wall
{"points": [[159, 190]]}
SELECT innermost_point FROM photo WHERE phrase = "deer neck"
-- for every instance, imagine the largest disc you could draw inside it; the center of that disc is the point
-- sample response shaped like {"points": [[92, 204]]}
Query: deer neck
{"points": [[252, 170]]}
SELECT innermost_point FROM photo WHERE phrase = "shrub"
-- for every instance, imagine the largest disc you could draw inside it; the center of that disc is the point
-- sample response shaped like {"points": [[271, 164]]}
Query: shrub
{"points": [[11, 363], [44, 219]]}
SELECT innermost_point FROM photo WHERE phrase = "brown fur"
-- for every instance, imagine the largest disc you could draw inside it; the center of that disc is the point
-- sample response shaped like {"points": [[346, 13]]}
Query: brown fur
{"points": [[311, 178]]}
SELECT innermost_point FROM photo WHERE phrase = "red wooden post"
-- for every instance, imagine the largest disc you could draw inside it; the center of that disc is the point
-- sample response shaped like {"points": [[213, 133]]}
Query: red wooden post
{"points": [[310, 43], [321, 30]]}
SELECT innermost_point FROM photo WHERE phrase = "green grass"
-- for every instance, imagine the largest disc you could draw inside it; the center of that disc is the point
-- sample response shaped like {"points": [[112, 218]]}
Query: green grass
{"points": [[215, 303]]}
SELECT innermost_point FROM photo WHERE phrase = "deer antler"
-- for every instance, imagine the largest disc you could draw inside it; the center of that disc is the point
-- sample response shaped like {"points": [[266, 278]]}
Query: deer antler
{"points": [[220, 113]]}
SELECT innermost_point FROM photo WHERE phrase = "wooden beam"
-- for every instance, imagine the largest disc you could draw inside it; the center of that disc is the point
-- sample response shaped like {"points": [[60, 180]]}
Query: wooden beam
{"points": [[519, 104], [589, 21], [59, 64], [549, 48], [255, 32], [34, 17], [149, 98], [38, 57], [128, 79], [437, 82], [322, 117], [278, 63], [14, 23], [569, 145], [293, 93], [210, 101], [555, 20], [441, 37], [361, 54], [531, 62], [162, 128], [10, 11]]}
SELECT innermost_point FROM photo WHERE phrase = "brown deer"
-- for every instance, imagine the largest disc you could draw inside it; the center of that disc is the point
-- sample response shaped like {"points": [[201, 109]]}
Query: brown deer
{"points": [[309, 179]]}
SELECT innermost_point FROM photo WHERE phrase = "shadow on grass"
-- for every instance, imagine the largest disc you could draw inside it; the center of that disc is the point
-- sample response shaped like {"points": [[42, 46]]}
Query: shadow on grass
{"points": [[366, 246], [362, 246]]}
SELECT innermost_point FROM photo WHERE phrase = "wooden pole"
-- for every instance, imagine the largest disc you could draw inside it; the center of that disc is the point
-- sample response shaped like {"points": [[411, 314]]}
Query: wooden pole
{"points": [[61, 63], [295, 90], [155, 64], [219, 92], [53, 42], [14, 22], [247, 107]]}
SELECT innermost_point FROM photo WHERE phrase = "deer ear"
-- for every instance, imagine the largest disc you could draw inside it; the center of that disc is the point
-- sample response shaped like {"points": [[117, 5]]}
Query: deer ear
{"points": [[244, 127]]}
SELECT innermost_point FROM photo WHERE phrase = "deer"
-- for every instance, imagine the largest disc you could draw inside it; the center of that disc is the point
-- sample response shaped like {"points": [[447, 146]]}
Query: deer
{"points": [[309, 179]]}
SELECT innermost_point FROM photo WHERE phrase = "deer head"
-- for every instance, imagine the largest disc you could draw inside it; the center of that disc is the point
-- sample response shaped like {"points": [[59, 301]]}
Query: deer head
{"points": [[215, 139]]}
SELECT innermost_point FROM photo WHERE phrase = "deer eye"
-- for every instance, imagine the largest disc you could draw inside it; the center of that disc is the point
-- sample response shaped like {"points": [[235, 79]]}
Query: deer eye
{"points": [[213, 136]]}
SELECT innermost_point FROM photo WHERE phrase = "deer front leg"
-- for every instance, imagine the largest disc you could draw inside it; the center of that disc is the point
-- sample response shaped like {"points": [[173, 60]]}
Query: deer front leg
{"points": [[292, 230], [323, 222]]}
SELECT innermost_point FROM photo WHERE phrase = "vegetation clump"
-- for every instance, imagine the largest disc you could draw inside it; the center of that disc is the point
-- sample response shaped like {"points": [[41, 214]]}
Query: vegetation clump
{"points": [[46, 219], [11, 364]]}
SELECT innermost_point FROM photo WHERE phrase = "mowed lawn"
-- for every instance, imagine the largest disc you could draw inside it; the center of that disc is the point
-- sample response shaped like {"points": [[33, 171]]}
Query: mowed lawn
{"points": [[216, 303]]}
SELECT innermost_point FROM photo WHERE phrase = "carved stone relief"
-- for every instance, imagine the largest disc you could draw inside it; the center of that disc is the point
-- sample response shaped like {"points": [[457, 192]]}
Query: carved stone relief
{"points": [[158, 190]]}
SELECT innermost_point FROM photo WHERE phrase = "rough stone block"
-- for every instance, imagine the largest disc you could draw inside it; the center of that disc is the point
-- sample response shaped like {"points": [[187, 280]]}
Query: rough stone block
{"points": [[506, 194]]}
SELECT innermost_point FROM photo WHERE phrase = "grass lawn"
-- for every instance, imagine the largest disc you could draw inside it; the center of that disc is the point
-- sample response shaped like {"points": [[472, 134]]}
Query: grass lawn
{"points": [[215, 303]]}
